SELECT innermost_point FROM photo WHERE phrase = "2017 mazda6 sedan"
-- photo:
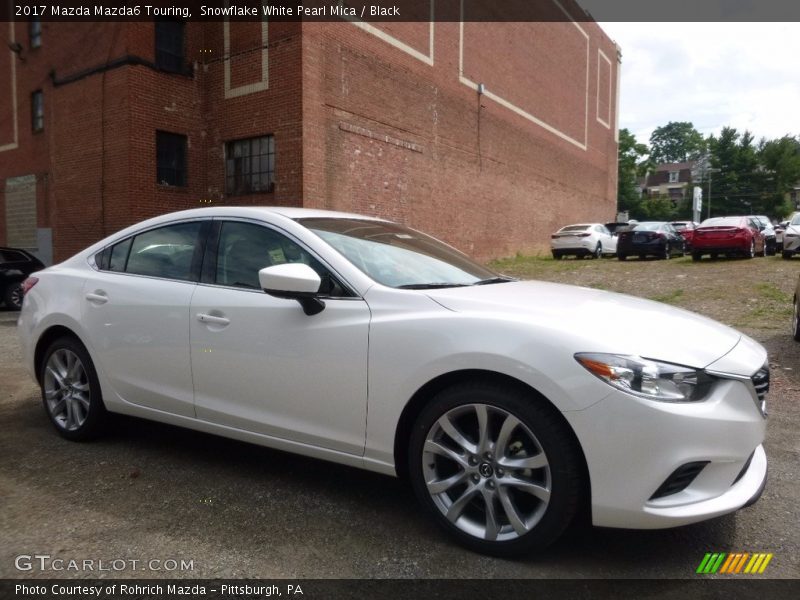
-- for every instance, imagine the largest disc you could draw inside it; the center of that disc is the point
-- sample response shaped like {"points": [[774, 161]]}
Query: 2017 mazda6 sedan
{"points": [[509, 405]]}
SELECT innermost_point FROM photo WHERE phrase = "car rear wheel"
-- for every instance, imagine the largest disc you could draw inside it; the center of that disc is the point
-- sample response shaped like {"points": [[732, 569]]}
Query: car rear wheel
{"points": [[622, 256], [786, 255], [13, 296], [71, 391], [496, 468], [796, 319], [696, 256]]}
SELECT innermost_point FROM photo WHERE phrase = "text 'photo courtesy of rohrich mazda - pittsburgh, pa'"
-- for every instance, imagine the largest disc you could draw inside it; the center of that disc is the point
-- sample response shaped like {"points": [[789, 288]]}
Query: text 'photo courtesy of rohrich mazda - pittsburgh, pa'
{"points": [[509, 406]]}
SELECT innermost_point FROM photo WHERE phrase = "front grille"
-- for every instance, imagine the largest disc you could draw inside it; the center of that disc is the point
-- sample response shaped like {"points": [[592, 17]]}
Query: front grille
{"points": [[761, 385], [680, 479]]}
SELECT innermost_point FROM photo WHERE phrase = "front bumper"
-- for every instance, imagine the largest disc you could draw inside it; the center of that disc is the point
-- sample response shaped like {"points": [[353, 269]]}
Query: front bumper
{"points": [[726, 431]]}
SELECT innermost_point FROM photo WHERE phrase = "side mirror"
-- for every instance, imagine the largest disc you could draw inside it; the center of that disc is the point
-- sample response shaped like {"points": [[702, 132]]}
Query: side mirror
{"points": [[295, 281]]}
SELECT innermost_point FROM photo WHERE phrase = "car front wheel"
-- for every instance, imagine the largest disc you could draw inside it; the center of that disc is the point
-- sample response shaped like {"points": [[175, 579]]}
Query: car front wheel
{"points": [[13, 296], [71, 391], [496, 468], [752, 253]]}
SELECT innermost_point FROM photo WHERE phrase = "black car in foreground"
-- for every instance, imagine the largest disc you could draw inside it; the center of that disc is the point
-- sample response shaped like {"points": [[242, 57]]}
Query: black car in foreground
{"points": [[652, 238], [15, 266]]}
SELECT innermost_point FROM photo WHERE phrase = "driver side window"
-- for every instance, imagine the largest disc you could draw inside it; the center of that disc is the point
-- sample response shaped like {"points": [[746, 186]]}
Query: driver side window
{"points": [[246, 248]]}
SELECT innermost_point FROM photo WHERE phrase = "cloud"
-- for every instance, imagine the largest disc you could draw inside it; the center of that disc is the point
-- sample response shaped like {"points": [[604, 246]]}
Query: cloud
{"points": [[743, 75]]}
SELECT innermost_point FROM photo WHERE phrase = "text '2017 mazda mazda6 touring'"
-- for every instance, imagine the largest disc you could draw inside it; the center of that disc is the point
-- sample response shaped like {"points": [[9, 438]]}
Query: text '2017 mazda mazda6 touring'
{"points": [[508, 404]]}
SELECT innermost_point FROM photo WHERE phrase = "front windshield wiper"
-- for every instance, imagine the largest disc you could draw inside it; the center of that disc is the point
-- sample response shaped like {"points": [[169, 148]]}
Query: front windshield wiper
{"points": [[501, 279], [430, 286]]}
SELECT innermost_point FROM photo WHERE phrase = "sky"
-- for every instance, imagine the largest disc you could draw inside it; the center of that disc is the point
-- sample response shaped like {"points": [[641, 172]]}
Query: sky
{"points": [[743, 75]]}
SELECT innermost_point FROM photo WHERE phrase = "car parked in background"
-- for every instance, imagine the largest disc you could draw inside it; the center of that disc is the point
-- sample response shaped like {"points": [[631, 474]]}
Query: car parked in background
{"points": [[582, 239], [686, 229], [779, 229], [730, 236], [510, 406], [615, 229], [15, 265], [650, 238], [791, 238], [796, 312], [770, 238]]}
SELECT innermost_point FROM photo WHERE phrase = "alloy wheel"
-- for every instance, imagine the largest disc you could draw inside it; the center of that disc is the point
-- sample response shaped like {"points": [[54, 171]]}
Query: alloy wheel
{"points": [[15, 296], [486, 472], [66, 389]]}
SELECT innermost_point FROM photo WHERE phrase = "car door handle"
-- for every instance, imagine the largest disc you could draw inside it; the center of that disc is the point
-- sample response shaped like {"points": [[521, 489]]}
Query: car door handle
{"points": [[204, 318], [97, 298]]}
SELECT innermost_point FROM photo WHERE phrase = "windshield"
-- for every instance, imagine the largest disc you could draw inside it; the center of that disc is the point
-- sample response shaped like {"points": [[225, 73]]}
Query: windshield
{"points": [[722, 222], [574, 228], [648, 227], [795, 220], [397, 256]]}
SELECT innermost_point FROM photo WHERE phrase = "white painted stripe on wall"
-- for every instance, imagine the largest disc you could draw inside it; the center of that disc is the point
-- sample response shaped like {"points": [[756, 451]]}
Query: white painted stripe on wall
{"points": [[520, 111], [13, 89], [393, 41], [250, 88], [607, 121]]}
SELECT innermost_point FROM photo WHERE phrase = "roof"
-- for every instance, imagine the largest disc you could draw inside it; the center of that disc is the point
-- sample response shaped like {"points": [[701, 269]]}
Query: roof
{"points": [[689, 164]]}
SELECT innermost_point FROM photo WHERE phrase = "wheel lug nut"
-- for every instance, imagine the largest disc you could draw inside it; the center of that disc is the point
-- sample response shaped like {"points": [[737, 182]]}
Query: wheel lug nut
{"points": [[473, 461], [490, 485], [489, 456], [476, 478], [499, 472]]}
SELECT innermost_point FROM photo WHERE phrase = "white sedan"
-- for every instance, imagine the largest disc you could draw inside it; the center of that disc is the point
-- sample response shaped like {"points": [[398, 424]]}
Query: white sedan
{"points": [[791, 237], [508, 404], [583, 239]]}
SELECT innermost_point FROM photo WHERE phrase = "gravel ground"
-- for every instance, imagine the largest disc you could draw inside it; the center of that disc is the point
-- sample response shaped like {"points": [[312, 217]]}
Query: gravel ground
{"points": [[150, 491]]}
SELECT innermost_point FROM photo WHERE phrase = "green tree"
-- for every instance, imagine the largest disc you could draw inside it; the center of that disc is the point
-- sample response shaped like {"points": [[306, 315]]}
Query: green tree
{"points": [[780, 162], [677, 141], [631, 167]]}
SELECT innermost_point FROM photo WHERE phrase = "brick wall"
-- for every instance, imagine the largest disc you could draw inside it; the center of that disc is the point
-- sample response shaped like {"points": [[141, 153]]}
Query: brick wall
{"points": [[382, 121], [390, 132]]}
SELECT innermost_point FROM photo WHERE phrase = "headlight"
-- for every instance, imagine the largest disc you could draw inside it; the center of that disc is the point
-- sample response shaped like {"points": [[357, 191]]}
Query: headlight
{"points": [[648, 378]]}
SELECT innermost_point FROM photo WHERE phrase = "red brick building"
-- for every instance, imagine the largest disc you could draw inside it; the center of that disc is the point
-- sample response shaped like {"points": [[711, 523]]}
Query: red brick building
{"points": [[489, 136]]}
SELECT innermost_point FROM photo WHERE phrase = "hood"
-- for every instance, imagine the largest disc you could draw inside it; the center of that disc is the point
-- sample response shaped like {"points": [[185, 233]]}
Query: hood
{"points": [[599, 321]]}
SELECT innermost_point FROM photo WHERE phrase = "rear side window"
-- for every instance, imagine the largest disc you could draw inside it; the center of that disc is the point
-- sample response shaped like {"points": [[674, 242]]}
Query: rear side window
{"points": [[166, 252]]}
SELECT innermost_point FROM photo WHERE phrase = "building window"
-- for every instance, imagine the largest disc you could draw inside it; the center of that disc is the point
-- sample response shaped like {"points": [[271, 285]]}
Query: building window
{"points": [[250, 166], [37, 110], [35, 32], [171, 158], [673, 176], [169, 45]]}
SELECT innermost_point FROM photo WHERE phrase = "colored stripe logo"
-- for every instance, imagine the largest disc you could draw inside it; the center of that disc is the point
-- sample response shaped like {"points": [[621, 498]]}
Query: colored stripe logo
{"points": [[734, 563]]}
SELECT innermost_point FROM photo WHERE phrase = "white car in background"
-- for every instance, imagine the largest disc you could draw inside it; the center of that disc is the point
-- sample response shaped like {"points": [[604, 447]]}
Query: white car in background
{"points": [[791, 237], [509, 405], [583, 239]]}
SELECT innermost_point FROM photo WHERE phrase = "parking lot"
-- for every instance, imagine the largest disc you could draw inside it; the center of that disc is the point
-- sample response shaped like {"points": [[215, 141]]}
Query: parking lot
{"points": [[154, 492]]}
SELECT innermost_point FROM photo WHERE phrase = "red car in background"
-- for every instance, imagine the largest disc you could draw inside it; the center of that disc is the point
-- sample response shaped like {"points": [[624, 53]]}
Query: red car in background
{"points": [[730, 236], [686, 229]]}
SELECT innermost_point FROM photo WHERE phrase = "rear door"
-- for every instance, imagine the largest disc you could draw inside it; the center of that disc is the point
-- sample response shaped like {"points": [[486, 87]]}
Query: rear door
{"points": [[136, 307]]}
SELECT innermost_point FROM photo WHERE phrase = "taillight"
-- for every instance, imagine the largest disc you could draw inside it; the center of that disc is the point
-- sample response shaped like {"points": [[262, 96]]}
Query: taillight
{"points": [[554, 237], [28, 284]]}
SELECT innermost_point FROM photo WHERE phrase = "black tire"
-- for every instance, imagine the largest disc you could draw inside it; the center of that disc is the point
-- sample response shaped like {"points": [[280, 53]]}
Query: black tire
{"points": [[666, 253], [557, 256], [13, 295], [94, 411], [622, 256], [771, 249], [696, 256], [752, 252], [553, 440], [598, 251], [786, 255], [796, 319]]}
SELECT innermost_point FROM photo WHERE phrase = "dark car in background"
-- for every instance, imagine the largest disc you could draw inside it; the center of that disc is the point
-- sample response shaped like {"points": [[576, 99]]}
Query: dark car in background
{"points": [[651, 238], [731, 236], [770, 237], [15, 266], [686, 229]]}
